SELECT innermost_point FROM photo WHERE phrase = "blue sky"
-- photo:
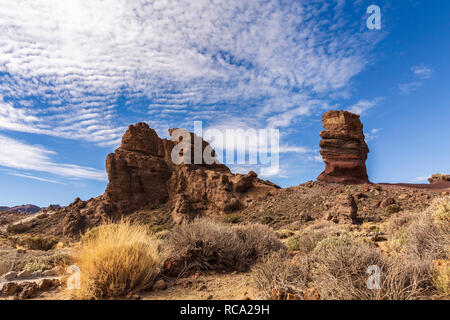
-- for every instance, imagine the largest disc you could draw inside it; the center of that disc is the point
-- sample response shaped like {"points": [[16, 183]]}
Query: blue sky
{"points": [[75, 74]]}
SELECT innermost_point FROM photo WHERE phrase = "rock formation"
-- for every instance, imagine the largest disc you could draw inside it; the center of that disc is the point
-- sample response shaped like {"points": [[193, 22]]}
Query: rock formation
{"points": [[438, 177], [142, 175], [343, 148], [342, 210]]}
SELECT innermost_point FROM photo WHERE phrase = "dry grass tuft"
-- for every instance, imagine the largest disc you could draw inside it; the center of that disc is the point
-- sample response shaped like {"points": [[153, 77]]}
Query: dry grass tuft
{"points": [[209, 245], [338, 269], [117, 259], [278, 273], [441, 279]]}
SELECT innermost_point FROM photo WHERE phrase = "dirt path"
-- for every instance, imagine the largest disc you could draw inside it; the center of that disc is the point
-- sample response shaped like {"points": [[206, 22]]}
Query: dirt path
{"points": [[226, 286]]}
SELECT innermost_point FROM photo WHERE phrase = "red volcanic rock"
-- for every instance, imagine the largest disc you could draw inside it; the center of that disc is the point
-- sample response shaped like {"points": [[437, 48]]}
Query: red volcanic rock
{"points": [[343, 148], [142, 175]]}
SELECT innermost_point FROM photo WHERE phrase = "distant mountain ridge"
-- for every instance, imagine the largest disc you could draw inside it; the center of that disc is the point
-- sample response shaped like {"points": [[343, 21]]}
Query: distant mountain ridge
{"points": [[26, 208]]}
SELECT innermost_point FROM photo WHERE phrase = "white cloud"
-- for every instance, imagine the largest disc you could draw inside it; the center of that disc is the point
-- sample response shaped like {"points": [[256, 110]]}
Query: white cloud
{"points": [[423, 72], [421, 179], [33, 177], [18, 155], [363, 105], [409, 87], [372, 134], [67, 65]]}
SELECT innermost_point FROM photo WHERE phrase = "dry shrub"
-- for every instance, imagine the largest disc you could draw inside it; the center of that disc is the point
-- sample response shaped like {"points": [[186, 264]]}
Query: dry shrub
{"points": [[441, 278], [338, 269], [425, 239], [35, 242], [208, 245], [6, 265], [429, 232], [425, 235], [441, 211], [117, 259], [278, 273], [306, 241]]}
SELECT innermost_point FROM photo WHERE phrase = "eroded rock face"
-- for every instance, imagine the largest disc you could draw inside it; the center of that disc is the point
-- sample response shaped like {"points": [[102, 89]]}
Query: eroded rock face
{"points": [[342, 210], [142, 175], [343, 148], [438, 177]]}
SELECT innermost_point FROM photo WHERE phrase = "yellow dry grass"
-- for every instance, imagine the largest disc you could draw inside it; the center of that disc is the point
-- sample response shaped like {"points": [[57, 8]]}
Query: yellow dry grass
{"points": [[117, 259]]}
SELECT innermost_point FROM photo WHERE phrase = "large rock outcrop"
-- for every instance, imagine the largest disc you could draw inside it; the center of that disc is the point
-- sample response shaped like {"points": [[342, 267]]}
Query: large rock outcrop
{"points": [[142, 175], [343, 148]]}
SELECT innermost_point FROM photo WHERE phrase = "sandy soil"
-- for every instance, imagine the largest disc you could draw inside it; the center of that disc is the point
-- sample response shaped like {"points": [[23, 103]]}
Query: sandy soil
{"points": [[226, 286]]}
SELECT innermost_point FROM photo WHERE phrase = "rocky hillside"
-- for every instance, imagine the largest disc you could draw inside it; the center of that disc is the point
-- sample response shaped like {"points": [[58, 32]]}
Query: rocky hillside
{"points": [[26, 208], [146, 185]]}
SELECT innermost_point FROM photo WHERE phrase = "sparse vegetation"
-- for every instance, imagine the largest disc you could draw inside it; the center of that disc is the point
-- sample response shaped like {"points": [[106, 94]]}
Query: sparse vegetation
{"points": [[35, 242], [284, 234], [337, 262], [117, 259], [208, 245], [232, 218], [306, 240], [267, 219], [441, 277], [18, 228], [393, 208], [42, 263], [278, 274]]}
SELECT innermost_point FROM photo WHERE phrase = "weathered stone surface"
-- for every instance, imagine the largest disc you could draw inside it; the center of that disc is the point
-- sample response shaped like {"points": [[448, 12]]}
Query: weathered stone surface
{"points": [[439, 177], [46, 284], [142, 175], [29, 290], [343, 148], [342, 210], [11, 275], [24, 274], [160, 285], [10, 288]]}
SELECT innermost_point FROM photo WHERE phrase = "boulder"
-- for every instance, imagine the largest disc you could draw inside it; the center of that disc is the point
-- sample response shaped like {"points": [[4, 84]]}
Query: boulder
{"points": [[46, 284], [343, 148], [342, 210], [10, 288], [9, 276], [24, 274], [160, 285], [28, 290]]}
